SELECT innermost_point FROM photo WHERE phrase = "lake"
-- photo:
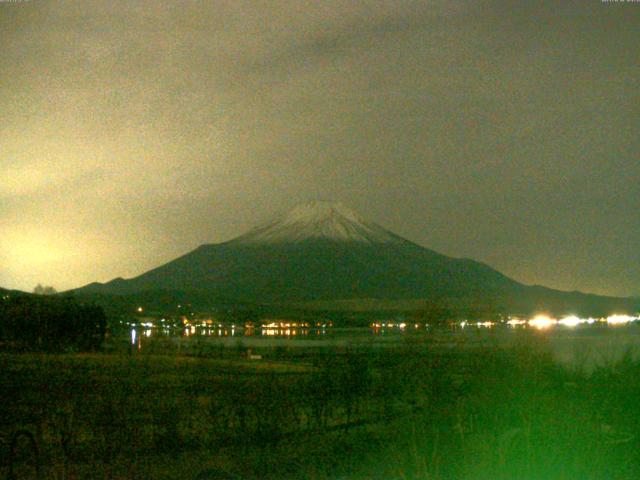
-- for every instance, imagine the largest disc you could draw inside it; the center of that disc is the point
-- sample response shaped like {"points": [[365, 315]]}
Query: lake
{"points": [[581, 345]]}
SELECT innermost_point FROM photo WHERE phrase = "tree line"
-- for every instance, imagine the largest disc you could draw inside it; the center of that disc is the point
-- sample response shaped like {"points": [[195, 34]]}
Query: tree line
{"points": [[50, 323]]}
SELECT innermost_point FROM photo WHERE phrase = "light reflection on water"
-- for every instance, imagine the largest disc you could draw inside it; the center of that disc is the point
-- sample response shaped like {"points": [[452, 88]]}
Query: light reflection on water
{"points": [[542, 323], [582, 344], [550, 327], [290, 332]]}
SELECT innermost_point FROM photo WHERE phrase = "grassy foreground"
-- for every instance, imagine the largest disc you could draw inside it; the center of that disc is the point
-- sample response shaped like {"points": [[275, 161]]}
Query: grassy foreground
{"points": [[398, 413]]}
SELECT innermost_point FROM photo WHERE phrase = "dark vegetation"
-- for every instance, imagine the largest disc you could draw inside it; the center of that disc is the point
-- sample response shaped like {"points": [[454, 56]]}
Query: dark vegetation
{"points": [[49, 323], [408, 412], [44, 290]]}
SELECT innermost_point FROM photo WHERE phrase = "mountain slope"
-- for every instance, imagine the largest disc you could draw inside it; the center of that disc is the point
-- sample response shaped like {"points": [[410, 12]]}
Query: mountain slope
{"points": [[315, 270], [323, 252], [318, 251]]}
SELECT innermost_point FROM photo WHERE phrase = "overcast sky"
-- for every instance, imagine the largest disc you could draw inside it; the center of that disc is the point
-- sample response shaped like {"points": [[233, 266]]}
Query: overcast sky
{"points": [[504, 131]]}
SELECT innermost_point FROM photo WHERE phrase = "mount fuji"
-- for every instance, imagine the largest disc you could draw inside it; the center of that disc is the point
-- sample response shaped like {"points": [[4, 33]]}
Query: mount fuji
{"points": [[324, 255]]}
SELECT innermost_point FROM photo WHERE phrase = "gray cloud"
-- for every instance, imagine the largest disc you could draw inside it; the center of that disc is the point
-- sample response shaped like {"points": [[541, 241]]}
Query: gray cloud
{"points": [[500, 131]]}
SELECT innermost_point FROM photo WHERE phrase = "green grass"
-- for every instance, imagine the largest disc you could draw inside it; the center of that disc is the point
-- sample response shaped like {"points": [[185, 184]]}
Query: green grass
{"points": [[393, 413]]}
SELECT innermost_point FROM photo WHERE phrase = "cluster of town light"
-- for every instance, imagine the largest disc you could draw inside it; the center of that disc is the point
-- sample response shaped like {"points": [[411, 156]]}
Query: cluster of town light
{"points": [[401, 325], [209, 327], [542, 322], [281, 325], [539, 322], [287, 328]]}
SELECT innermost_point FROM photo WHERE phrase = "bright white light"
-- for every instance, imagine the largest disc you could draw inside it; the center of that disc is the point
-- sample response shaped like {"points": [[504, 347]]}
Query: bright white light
{"points": [[463, 324], [484, 324], [133, 337], [619, 319], [571, 321], [542, 321], [515, 322]]}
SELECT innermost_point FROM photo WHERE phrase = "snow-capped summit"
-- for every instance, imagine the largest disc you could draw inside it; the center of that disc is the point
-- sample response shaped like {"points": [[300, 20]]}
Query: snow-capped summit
{"points": [[319, 220]]}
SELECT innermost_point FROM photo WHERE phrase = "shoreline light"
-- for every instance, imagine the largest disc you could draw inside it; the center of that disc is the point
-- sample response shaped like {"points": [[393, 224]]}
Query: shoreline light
{"points": [[571, 321], [620, 319], [515, 322], [484, 324], [542, 322]]}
